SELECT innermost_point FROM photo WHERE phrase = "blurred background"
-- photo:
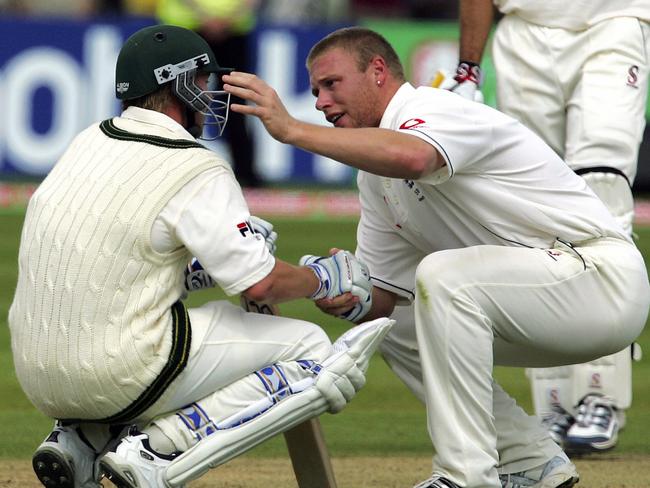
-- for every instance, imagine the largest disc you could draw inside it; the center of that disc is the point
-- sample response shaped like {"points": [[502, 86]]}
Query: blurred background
{"points": [[57, 62]]}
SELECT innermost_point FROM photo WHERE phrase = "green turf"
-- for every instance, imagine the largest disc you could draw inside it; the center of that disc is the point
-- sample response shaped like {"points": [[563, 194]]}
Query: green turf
{"points": [[384, 418]]}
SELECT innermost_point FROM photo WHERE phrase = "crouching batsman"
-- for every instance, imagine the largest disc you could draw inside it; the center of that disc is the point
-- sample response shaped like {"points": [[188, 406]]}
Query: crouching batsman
{"points": [[133, 215]]}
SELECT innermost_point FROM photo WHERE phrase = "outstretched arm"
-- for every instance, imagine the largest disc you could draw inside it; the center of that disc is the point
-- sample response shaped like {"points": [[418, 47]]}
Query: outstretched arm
{"points": [[380, 151]]}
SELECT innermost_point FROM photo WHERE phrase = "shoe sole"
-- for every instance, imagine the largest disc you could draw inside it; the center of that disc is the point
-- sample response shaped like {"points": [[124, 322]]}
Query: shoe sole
{"points": [[586, 447], [566, 480], [114, 475], [52, 469]]}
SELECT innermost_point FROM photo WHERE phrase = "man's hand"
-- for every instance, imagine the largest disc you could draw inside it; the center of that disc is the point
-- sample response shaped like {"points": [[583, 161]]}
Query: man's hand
{"points": [[466, 81], [266, 104], [342, 275]]}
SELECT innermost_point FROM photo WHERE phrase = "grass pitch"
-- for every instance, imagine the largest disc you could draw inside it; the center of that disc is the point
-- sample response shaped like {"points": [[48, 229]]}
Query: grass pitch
{"points": [[380, 436]]}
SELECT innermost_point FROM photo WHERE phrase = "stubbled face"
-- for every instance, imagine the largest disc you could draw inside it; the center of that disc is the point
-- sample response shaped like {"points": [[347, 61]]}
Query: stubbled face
{"points": [[348, 97]]}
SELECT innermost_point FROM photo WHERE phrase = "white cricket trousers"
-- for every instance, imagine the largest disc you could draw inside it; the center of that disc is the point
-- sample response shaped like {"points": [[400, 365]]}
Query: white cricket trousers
{"points": [[583, 92], [480, 306], [522, 443], [229, 343]]}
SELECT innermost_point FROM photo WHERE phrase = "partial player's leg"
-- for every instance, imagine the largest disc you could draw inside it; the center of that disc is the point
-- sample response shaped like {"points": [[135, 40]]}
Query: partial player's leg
{"points": [[529, 85], [520, 436], [183, 444], [400, 350], [492, 303]]}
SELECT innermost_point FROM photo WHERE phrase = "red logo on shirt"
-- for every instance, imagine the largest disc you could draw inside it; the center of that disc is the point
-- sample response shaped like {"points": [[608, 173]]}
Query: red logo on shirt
{"points": [[243, 228], [411, 123]]}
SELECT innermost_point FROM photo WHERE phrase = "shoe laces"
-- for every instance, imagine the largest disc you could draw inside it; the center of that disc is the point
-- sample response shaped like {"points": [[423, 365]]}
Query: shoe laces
{"points": [[595, 410], [532, 476]]}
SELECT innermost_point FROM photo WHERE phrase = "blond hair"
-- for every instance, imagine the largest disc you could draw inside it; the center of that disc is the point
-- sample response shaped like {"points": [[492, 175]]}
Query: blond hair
{"points": [[364, 44]]}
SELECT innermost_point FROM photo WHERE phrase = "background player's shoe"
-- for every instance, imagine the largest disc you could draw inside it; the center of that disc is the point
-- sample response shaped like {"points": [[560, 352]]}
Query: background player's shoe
{"points": [[436, 482], [559, 472], [596, 427], [557, 423], [132, 463], [65, 460]]}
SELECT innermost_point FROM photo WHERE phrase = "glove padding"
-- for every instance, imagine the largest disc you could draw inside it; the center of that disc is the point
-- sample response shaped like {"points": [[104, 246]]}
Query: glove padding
{"points": [[342, 273], [197, 278], [265, 229], [340, 382], [466, 81], [343, 374]]}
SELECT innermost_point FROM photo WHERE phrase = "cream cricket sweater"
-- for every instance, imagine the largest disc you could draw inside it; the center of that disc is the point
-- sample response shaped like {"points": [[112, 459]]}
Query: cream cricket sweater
{"points": [[91, 321]]}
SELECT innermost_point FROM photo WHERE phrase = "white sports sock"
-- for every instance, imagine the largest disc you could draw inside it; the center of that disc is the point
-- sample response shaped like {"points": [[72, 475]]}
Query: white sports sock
{"points": [[158, 441]]}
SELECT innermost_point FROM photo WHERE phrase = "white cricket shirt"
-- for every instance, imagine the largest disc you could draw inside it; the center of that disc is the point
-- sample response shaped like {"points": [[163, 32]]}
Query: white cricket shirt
{"points": [[209, 216], [502, 185]]}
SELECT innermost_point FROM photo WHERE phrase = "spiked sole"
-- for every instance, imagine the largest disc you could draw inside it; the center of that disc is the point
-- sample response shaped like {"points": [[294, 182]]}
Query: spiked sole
{"points": [[52, 469]]}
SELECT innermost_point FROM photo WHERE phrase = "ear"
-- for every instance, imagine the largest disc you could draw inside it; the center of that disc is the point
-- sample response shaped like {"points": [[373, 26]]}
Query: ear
{"points": [[378, 69]]}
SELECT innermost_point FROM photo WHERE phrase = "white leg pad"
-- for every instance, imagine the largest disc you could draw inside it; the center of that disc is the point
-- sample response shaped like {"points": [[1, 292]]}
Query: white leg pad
{"points": [[341, 376], [224, 445], [615, 192], [567, 385], [551, 386], [610, 376]]}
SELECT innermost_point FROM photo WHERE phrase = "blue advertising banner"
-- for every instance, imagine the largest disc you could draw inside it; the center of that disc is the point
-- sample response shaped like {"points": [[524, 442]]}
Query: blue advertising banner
{"points": [[57, 77]]}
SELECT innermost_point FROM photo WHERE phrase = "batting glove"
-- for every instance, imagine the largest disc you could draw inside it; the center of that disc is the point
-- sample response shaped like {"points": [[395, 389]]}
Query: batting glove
{"points": [[197, 278], [339, 274], [265, 229], [466, 81]]}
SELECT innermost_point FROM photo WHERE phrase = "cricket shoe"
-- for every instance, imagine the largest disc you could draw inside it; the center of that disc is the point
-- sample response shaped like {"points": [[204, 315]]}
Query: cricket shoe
{"points": [[559, 472], [596, 427], [436, 482], [65, 459], [132, 463], [557, 423]]}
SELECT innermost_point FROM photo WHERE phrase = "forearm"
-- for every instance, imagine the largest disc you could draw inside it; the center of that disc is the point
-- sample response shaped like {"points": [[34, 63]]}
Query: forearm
{"points": [[379, 151], [285, 282], [383, 303], [476, 17]]}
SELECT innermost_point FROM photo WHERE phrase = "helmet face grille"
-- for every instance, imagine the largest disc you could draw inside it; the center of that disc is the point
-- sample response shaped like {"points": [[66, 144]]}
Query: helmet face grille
{"points": [[213, 104]]}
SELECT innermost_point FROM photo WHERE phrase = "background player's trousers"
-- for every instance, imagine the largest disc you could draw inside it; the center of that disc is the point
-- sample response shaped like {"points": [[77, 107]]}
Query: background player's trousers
{"points": [[485, 305], [583, 92]]}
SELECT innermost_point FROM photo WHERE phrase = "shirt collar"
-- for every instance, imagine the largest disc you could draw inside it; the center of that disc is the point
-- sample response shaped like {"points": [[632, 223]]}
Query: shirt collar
{"points": [[137, 119], [401, 95]]}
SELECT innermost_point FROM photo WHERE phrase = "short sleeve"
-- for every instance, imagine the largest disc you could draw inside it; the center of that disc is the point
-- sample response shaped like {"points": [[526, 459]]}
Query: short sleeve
{"points": [[459, 129], [210, 217]]}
